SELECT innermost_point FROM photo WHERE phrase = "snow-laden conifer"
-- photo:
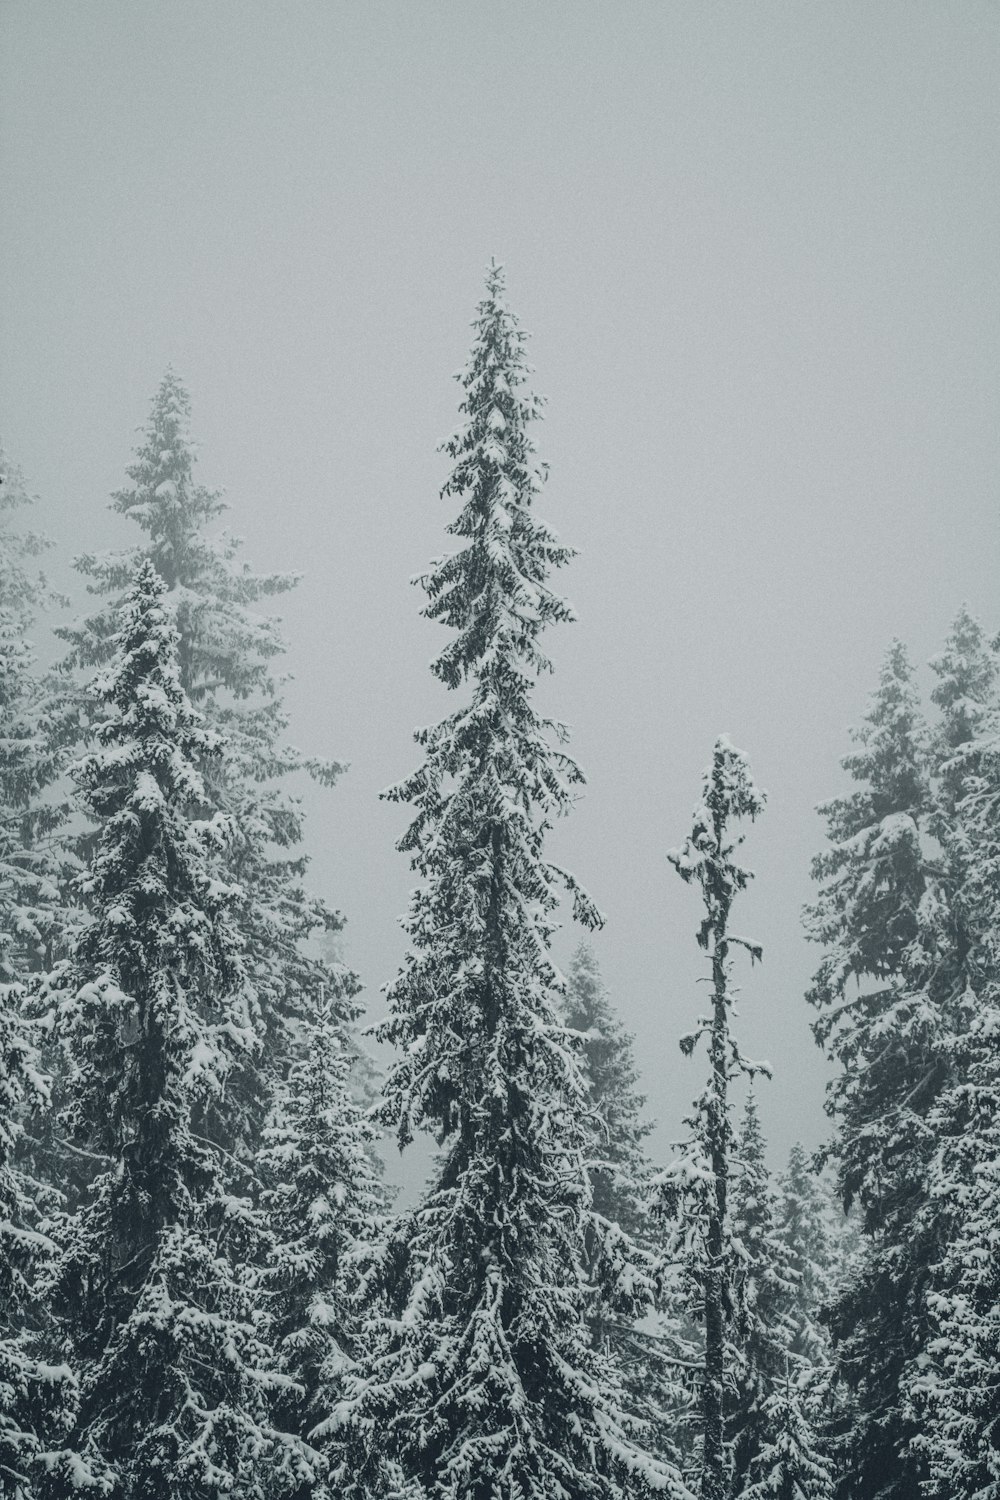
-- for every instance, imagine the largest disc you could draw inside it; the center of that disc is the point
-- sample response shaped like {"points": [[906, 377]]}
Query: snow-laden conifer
{"points": [[325, 1203], [954, 1387], [789, 1465], [655, 1358], [480, 1381], [227, 652], [804, 1226], [885, 991], [965, 696], [693, 1191], [159, 1017], [621, 1167]]}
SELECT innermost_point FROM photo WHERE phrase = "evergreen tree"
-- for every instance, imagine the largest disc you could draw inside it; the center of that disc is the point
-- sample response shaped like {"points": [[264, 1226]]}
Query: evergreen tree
{"points": [[325, 1203], [227, 652], [693, 1191], [480, 1381], [656, 1359], [619, 1172], [159, 1016], [803, 1226], [789, 1466], [884, 992], [964, 694], [954, 1389]]}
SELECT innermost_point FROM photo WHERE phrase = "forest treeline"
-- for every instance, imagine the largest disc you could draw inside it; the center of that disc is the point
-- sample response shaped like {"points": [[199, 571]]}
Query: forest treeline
{"points": [[206, 1289]]}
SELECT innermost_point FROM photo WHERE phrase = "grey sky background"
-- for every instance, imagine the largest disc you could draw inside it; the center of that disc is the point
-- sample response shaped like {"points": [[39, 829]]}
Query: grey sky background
{"points": [[757, 248]]}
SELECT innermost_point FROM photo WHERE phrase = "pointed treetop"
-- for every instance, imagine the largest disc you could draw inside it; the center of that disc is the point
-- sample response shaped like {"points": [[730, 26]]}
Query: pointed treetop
{"points": [[146, 634], [728, 792], [19, 590], [163, 496], [496, 278], [892, 739], [494, 590], [142, 690], [751, 1131], [966, 670]]}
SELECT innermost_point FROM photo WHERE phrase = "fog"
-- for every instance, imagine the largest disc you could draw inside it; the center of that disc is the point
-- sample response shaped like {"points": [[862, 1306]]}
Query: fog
{"points": [[756, 249]]}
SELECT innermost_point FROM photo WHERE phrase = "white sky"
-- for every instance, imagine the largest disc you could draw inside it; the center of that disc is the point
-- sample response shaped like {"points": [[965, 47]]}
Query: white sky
{"points": [[757, 248]]}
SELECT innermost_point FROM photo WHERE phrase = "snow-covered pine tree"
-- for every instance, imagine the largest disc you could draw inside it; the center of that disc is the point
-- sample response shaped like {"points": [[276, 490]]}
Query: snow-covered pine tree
{"points": [[480, 1381], [655, 1358], [803, 1225], [158, 1016], [693, 1190], [965, 696], [226, 655], [884, 1018], [325, 1204], [790, 1465], [955, 1387]]}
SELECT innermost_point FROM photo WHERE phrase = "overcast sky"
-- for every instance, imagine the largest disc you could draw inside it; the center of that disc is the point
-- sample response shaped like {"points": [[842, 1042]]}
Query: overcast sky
{"points": [[756, 245]]}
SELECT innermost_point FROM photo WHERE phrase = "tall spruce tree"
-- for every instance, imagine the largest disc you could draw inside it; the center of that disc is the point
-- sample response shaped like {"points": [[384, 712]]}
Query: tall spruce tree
{"points": [[227, 652], [954, 1388], [884, 995], [159, 1017], [480, 1381], [693, 1191]]}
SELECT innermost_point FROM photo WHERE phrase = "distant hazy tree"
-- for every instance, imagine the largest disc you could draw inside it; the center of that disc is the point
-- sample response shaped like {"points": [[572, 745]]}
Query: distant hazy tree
{"points": [[32, 856], [803, 1225], [480, 1380], [655, 1358], [694, 1189], [620, 1168]]}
